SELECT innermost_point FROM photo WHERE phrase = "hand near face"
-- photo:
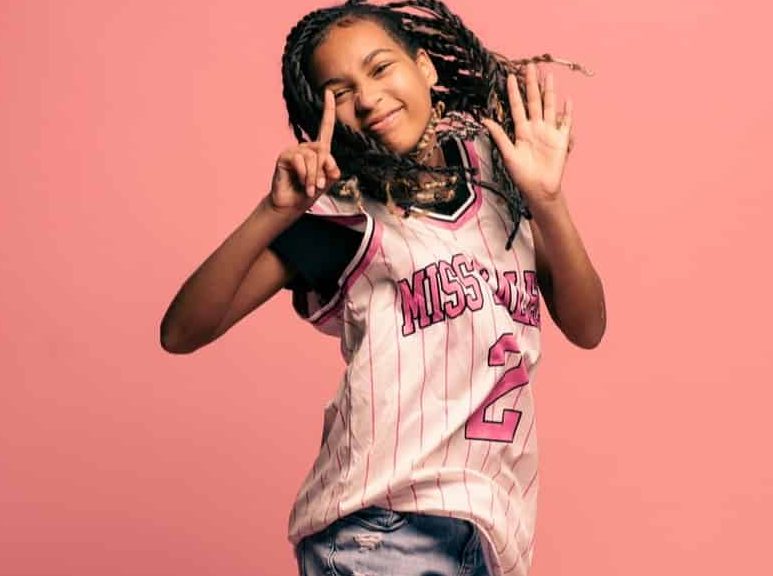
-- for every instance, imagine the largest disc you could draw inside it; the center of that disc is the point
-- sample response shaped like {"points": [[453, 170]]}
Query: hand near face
{"points": [[535, 160], [306, 171]]}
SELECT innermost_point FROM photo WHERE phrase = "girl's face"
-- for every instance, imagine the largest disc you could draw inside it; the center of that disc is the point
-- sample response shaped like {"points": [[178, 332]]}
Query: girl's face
{"points": [[380, 89]]}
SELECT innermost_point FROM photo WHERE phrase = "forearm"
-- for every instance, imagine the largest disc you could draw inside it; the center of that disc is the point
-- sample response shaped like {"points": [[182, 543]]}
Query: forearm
{"points": [[574, 291], [205, 297]]}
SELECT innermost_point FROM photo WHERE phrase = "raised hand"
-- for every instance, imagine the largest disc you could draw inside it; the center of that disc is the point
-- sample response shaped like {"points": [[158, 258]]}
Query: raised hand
{"points": [[535, 160], [307, 170]]}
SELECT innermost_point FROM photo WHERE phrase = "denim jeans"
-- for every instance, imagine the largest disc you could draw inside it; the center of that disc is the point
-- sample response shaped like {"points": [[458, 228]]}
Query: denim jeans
{"points": [[379, 542]]}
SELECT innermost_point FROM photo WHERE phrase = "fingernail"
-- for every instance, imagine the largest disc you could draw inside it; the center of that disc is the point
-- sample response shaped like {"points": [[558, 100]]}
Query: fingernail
{"points": [[320, 183]]}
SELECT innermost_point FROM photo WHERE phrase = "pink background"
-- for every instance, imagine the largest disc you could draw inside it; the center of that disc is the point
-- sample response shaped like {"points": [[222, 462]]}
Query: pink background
{"points": [[134, 136]]}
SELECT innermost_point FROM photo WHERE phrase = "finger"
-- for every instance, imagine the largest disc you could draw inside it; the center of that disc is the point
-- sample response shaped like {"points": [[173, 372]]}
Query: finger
{"points": [[516, 107], [499, 136], [319, 162], [330, 168], [314, 156], [299, 166], [325, 136], [549, 99], [533, 96], [310, 159], [516, 103], [566, 116]]}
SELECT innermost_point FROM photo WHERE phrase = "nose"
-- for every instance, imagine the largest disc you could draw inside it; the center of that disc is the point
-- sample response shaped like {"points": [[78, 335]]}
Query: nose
{"points": [[367, 97]]}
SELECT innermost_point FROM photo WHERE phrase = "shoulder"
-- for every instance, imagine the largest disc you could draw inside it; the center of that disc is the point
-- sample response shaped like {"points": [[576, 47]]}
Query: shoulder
{"points": [[317, 249]]}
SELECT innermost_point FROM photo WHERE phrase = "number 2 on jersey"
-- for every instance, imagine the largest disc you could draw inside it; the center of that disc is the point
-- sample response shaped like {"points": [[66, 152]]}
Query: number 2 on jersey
{"points": [[478, 428]]}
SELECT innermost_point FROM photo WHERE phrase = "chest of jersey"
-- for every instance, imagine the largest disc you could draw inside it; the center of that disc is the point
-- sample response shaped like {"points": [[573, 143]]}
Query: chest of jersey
{"points": [[437, 268]]}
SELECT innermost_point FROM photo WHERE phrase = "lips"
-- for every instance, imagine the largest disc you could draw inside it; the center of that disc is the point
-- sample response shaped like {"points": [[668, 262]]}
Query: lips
{"points": [[383, 122]]}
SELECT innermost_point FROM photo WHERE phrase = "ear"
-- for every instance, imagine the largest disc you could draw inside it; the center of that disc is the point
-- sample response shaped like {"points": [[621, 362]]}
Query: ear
{"points": [[426, 67]]}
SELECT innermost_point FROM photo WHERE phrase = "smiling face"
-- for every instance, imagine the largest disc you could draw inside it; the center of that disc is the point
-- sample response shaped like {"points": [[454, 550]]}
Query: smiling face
{"points": [[380, 89]]}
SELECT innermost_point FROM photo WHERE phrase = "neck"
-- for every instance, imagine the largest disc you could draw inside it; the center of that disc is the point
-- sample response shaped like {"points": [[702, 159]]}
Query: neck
{"points": [[427, 151], [436, 157]]}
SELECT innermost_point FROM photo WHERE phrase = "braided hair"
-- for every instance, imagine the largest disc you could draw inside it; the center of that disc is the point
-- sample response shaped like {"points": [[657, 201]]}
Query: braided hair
{"points": [[472, 84]]}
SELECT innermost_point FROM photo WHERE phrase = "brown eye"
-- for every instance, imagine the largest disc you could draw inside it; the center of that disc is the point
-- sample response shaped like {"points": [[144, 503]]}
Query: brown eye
{"points": [[378, 70]]}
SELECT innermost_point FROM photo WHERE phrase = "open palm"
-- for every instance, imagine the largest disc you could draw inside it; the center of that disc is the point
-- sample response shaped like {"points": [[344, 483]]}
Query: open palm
{"points": [[535, 160]]}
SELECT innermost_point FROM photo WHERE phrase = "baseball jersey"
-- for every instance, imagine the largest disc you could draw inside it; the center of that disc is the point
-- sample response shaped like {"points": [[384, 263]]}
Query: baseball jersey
{"points": [[439, 327]]}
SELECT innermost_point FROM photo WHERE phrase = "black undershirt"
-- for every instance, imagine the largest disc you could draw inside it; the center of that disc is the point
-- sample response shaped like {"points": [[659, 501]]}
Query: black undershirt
{"points": [[319, 250]]}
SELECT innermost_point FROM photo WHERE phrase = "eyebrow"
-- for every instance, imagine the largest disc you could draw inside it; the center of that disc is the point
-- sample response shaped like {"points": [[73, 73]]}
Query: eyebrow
{"points": [[365, 61]]}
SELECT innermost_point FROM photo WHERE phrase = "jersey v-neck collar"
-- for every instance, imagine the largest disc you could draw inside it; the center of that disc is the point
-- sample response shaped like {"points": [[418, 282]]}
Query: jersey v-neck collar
{"points": [[468, 195]]}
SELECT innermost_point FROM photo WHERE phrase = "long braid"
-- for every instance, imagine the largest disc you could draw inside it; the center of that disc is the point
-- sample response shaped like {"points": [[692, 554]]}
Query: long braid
{"points": [[472, 84]]}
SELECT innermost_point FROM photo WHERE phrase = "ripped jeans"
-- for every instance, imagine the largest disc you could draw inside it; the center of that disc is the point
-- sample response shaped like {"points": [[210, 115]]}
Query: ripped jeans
{"points": [[379, 542]]}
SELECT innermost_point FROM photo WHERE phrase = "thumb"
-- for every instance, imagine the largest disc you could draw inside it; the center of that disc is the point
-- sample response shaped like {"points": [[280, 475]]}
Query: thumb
{"points": [[498, 134]]}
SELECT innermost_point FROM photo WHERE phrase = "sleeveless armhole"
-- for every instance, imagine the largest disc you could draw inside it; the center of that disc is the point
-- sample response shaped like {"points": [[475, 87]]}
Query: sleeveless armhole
{"points": [[318, 251], [322, 279]]}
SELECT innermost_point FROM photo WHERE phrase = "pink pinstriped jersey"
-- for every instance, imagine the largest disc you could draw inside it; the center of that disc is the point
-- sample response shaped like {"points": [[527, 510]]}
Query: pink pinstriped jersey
{"points": [[440, 331]]}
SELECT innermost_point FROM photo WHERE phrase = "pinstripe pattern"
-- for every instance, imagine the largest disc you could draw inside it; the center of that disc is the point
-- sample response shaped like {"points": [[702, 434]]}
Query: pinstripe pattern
{"points": [[418, 422]]}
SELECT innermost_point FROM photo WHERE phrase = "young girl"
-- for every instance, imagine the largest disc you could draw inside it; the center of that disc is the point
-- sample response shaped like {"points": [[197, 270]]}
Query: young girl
{"points": [[419, 219]]}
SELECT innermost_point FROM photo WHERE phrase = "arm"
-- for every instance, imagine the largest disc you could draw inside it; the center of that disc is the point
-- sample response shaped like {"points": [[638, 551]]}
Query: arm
{"points": [[242, 274], [234, 280], [568, 282], [535, 160]]}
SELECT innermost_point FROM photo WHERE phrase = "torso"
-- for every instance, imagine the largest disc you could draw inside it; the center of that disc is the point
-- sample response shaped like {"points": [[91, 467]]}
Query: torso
{"points": [[440, 330]]}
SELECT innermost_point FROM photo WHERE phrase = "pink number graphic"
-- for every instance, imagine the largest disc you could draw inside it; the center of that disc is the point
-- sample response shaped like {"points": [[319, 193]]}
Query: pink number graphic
{"points": [[478, 428]]}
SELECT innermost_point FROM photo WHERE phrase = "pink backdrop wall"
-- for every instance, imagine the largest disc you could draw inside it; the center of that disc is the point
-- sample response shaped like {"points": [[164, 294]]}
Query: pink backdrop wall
{"points": [[136, 135]]}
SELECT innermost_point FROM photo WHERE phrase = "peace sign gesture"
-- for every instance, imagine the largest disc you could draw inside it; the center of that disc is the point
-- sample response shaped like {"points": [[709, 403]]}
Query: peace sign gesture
{"points": [[307, 170], [537, 157]]}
